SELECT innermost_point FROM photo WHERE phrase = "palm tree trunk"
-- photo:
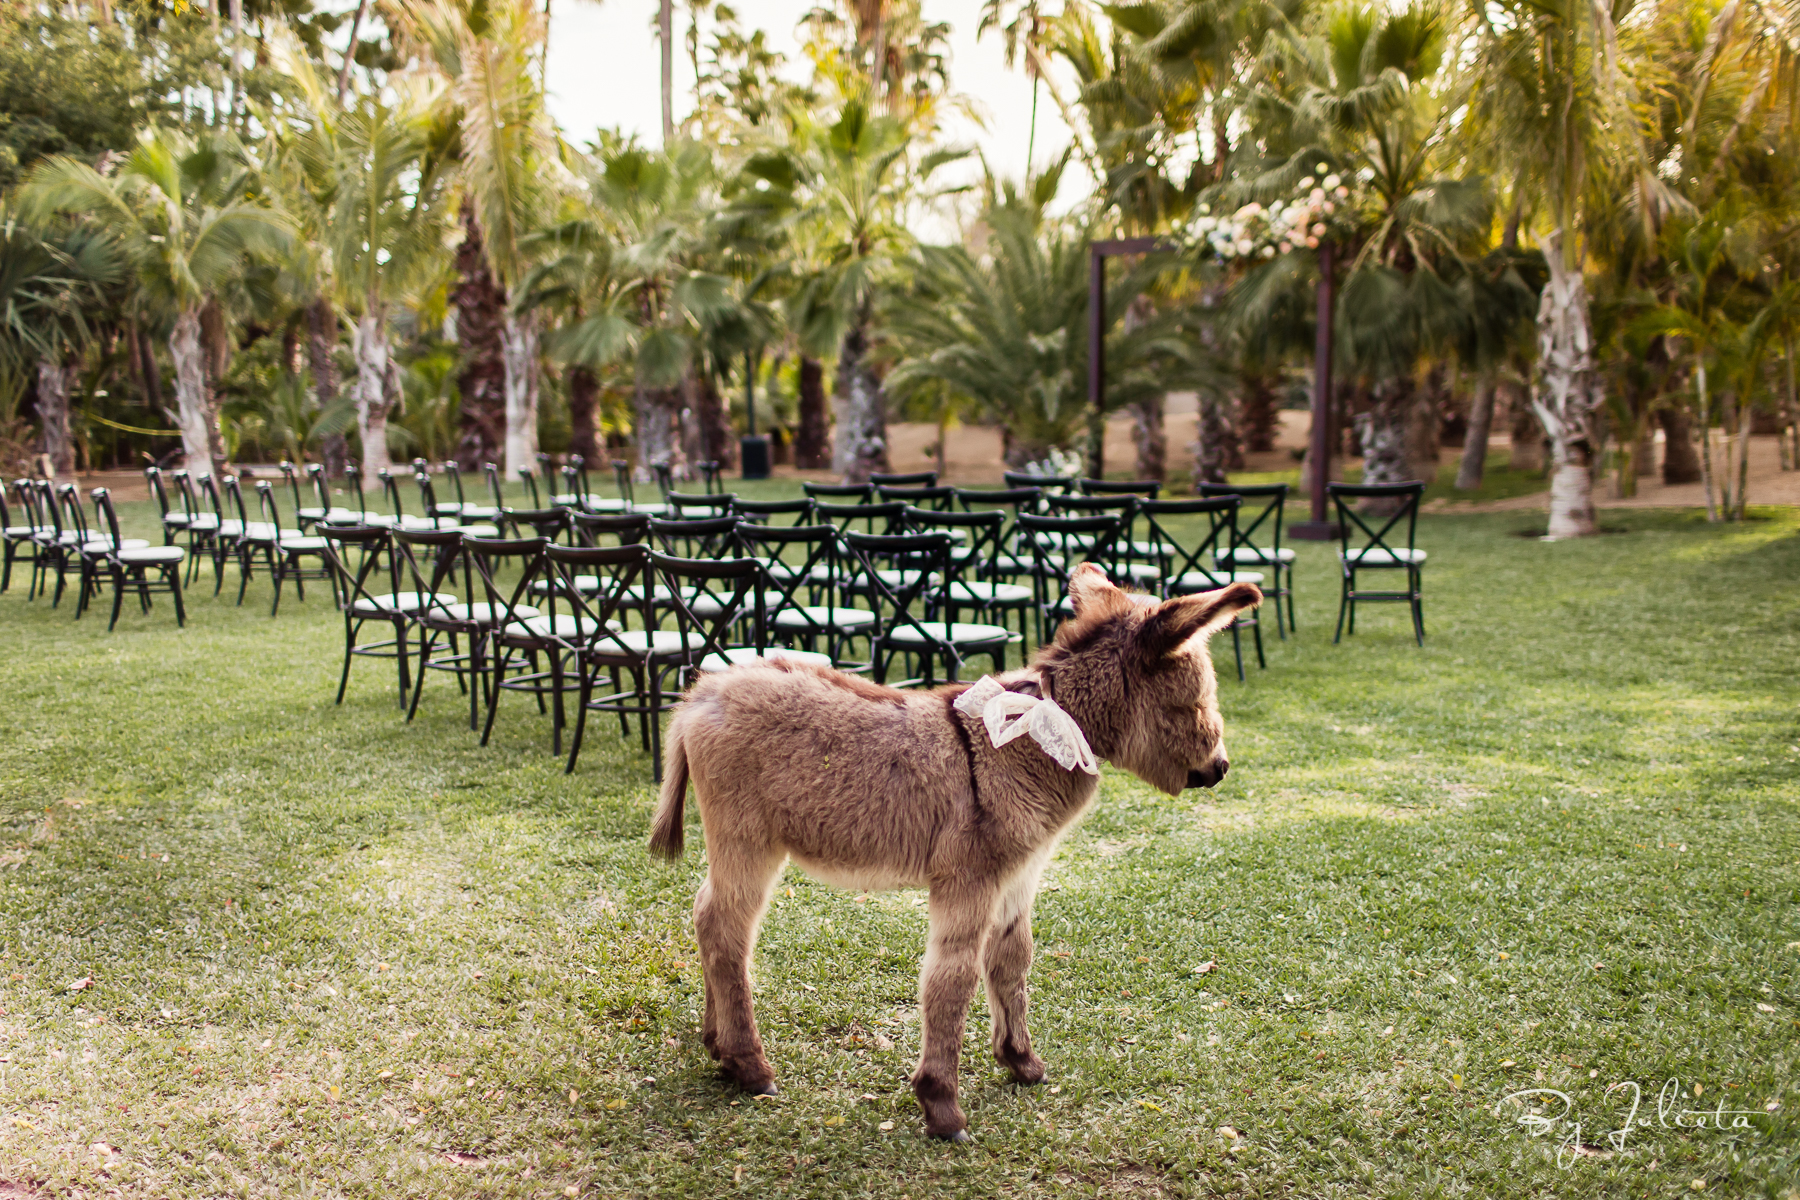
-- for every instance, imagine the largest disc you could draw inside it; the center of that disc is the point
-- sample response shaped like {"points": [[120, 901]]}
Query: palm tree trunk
{"points": [[1147, 433], [193, 393], [584, 392], [519, 346], [656, 428], [1567, 394], [1259, 409], [321, 341], [1706, 471], [55, 381], [479, 307], [1385, 432], [1481, 420], [1743, 436], [343, 80], [373, 355], [665, 28], [861, 447], [716, 442], [1212, 448], [812, 441]]}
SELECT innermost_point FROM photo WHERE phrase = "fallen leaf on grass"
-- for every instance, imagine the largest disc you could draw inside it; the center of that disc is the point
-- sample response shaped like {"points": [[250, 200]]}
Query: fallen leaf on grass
{"points": [[834, 1120], [1205, 968], [886, 1127], [1765, 1008], [808, 987], [1228, 1131], [616, 1104], [82, 984], [574, 1095], [462, 1158]]}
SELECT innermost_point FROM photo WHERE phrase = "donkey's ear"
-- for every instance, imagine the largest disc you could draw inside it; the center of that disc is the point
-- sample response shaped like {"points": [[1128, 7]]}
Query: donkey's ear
{"points": [[1175, 621], [1093, 594]]}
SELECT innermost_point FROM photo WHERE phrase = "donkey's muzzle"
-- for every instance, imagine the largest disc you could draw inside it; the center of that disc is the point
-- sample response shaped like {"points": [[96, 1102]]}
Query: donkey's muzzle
{"points": [[1208, 775]]}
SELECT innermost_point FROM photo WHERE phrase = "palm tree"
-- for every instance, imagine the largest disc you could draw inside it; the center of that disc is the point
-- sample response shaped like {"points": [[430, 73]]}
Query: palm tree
{"points": [[509, 172], [51, 283], [184, 214]]}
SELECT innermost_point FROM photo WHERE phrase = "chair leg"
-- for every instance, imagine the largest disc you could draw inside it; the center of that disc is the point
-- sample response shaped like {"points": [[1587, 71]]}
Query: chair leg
{"points": [[493, 696], [556, 701], [173, 574], [404, 658], [1256, 636], [349, 653], [1290, 599], [1237, 648], [1418, 606], [654, 717], [586, 692], [425, 642], [1343, 604], [118, 597]]}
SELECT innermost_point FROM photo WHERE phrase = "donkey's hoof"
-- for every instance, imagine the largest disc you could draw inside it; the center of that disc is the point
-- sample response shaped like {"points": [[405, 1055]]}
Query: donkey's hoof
{"points": [[1027, 1071], [763, 1089], [960, 1137]]}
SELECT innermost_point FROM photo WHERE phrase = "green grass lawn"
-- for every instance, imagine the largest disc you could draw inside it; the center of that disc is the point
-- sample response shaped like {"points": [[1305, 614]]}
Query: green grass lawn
{"points": [[255, 944]]}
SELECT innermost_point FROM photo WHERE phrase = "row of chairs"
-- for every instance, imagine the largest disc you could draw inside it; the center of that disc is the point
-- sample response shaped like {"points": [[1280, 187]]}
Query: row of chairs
{"points": [[54, 539]]}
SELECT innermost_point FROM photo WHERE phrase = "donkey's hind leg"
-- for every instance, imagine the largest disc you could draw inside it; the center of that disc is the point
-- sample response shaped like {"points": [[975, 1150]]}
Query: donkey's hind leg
{"points": [[726, 913], [1005, 962], [959, 918]]}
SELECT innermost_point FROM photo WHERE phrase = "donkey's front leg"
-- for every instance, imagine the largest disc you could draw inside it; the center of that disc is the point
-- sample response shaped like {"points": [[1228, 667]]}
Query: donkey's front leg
{"points": [[1005, 962], [959, 917]]}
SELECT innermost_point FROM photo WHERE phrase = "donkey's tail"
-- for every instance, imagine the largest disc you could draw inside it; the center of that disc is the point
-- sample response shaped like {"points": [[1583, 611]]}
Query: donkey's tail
{"points": [[667, 833]]}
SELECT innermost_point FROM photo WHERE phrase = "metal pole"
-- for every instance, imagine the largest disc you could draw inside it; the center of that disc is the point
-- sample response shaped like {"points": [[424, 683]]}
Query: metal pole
{"points": [[1096, 362], [750, 392], [1319, 529]]}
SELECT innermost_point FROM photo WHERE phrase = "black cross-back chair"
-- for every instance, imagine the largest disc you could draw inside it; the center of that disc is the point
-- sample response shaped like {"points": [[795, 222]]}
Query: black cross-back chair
{"points": [[467, 509], [285, 553], [794, 559], [1050, 485], [431, 561], [1134, 559], [551, 524], [448, 515], [202, 526], [974, 580], [305, 516], [1057, 545], [622, 479], [362, 560], [1380, 548], [689, 507], [626, 527], [17, 535], [362, 514], [835, 493], [580, 492], [522, 631], [698, 537], [130, 568], [764, 512], [56, 545], [528, 477], [711, 476], [1259, 542], [903, 478], [938, 499], [915, 616], [491, 472], [90, 549], [321, 487], [1148, 489], [606, 587], [173, 523], [1191, 563]]}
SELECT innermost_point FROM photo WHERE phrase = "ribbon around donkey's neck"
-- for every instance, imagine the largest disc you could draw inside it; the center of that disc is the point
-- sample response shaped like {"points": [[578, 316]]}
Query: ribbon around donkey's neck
{"points": [[1010, 715]]}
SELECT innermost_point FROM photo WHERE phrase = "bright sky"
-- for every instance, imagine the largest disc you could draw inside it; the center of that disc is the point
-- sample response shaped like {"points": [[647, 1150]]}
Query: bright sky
{"points": [[604, 71]]}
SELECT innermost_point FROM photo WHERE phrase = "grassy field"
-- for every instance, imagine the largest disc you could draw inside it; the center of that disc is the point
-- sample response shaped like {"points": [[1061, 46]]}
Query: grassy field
{"points": [[255, 944]]}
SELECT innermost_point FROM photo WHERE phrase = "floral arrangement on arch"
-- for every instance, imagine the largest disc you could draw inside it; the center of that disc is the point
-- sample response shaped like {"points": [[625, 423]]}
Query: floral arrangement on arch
{"points": [[1323, 207]]}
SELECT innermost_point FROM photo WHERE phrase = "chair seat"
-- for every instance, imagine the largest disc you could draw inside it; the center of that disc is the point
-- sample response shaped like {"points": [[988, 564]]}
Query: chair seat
{"points": [[708, 606], [297, 541], [429, 523], [148, 555], [203, 521], [1257, 554], [103, 544], [1139, 572], [817, 616], [479, 529], [652, 641], [311, 514], [562, 625], [398, 602], [1151, 549], [650, 510], [1194, 581], [1377, 556], [481, 612], [478, 512], [174, 520], [961, 633], [982, 592], [735, 656]]}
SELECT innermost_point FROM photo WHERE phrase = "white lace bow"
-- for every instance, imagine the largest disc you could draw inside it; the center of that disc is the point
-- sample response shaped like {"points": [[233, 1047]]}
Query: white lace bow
{"points": [[1010, 715]]}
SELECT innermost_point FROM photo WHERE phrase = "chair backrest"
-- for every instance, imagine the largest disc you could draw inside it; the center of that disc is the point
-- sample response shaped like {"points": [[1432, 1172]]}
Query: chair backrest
{"points": [[444, 547], [686, 506], [209, 488], [234, 501], [711, 537], [1149, 489], [665, 478], [1049, 484], [548, 523], [71, 502], [709, 476], [622, 479], [390, 488], [979, 555], [353, 483], [46, 503], [1019, 499], [762, 512], [315, 474], [574, 477], [107, 516], [490, 558], [1055, 546], [292, 476], [731, 589], [153, 477], [1268, 518], [529, 478], [939, 498], [623, 571], [904, 479], [453, 473], [270, 511], [184, 484], [6, 521], [628, 528], [492, 471], [901, 575], [858, 493], [428, 501], [1190, 560], [1400, 499], [1124, 548], [846, 516], [371, 545], [799, 549]]}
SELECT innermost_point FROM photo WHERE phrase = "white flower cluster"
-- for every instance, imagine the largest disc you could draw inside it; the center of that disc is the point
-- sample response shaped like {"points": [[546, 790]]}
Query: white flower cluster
{"points": [[1319, 208], [1058, 461]]}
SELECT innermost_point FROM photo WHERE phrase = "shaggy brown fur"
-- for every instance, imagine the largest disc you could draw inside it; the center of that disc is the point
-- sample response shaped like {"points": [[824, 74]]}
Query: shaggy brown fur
{"points": [[871, 787]]}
